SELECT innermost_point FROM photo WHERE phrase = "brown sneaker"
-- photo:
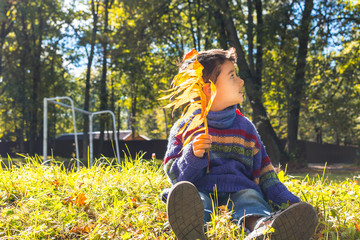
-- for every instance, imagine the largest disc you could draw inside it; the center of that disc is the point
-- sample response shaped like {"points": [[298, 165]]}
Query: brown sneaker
{"points": [[185, 212], [297, 222]]}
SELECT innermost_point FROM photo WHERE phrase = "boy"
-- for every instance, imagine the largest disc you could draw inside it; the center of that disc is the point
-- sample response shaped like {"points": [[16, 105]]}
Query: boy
{"points": [[232, 158]]}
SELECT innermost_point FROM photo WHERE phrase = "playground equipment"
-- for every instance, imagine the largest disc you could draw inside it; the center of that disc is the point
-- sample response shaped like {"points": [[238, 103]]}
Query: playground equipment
{"points": [[56, 100]]}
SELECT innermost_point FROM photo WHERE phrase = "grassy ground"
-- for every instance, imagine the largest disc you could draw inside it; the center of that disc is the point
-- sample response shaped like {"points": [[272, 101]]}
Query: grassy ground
{"points": [[48, 201]]}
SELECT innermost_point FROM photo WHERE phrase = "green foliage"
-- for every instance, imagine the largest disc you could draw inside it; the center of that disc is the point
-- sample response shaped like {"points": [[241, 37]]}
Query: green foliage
{"points": [[329, 107], [42, 41], [39, 201]]}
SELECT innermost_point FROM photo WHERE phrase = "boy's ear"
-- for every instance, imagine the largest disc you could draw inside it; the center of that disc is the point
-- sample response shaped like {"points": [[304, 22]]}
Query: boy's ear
{"points": [[207, 89]]}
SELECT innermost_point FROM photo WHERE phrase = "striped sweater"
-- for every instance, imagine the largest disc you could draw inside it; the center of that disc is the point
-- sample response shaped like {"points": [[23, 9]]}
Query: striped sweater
{"points": [[238, 159]]}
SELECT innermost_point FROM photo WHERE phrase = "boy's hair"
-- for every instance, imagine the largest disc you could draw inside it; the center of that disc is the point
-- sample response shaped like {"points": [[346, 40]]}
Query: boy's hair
{"points": [[212, 60]]}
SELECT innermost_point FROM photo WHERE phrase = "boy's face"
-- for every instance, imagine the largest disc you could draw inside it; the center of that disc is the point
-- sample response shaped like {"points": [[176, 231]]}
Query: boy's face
{"points": [[229, 88]]}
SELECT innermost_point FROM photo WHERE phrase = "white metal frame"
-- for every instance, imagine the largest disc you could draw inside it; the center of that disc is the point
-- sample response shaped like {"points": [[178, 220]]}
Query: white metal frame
{"points": [[55, 100]]}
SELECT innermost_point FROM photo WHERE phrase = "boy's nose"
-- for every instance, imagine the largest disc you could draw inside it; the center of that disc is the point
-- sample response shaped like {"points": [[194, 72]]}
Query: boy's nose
{"points": [[241, 82]]}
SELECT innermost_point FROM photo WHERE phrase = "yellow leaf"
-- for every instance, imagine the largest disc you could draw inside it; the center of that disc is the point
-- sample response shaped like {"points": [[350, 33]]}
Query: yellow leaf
{"points": [[213, 94], [188, 139], [281, 176], [187, 88]]}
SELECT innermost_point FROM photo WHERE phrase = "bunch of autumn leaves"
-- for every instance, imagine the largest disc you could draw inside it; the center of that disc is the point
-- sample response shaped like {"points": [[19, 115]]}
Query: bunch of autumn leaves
{"points": [[187, 89]]}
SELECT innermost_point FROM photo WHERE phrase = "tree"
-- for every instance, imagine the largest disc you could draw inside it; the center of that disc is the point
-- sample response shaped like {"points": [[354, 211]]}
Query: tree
{"points": [[297, 87], [26, 57], [6, 23], [253, 83], [90, 58], [103, 85]]}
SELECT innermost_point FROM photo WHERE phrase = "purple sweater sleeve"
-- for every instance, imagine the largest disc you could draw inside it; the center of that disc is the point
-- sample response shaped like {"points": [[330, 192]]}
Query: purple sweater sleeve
{"points": [[270, 184], [180, 164]]}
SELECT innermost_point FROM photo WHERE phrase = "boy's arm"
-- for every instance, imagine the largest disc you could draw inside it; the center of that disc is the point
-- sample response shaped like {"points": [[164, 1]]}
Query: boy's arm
{"points": [[182, 165], [269, 182]]}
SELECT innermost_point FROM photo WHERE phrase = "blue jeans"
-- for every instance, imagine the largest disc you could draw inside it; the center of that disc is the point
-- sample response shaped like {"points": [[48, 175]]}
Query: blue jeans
{"points": [[244, 203]]}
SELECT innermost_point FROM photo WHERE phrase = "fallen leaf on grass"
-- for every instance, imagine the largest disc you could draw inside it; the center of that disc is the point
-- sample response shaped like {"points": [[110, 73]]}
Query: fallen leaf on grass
{"points": [[79, 230], [161, 216], [82, 229], [80, 199], [55, 183], [134, 202], [357, 227]]}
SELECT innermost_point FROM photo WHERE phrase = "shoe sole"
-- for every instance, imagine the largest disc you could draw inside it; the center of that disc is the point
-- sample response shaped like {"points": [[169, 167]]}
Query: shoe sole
{"points": [[297, 222], [186, 212]]}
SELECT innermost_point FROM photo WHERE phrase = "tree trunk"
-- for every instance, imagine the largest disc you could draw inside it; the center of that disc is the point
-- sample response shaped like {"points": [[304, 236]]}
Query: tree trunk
{"points": [[112, 106], [6, 26], [1, 55], [298, 85], [103, 90], [191, 25], [250, 36], [94, 11], [118, 121], [133, 116], [166, 124], [259, 45], [37, 41], [220, 28], [262, 122], [198, 17], [23, 39]]}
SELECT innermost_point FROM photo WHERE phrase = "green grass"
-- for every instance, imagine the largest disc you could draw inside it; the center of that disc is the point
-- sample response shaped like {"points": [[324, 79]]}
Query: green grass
{"points": [[329, 176], [48, 201]]}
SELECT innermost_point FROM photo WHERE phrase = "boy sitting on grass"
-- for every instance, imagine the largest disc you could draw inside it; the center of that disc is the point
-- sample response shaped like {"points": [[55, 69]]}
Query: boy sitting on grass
{"points": [[224, 150]]}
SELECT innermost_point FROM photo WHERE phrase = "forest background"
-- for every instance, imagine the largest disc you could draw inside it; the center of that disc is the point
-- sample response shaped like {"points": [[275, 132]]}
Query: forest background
{"points": [[300, 61]]}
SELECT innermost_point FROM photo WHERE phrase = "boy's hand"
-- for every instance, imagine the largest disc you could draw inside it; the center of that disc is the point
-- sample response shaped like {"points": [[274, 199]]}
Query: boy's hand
{"points": [[200, 144]]}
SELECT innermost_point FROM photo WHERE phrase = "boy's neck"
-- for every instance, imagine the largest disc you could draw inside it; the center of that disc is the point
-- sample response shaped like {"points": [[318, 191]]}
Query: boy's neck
{"points": [[217, 108]]}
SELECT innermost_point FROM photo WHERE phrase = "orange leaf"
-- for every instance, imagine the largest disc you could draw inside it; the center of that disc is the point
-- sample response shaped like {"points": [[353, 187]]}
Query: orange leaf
{"points": [[162, 216], [190, 54], [80, 199], [223, 207], [203, 105], [357, 227], [76, 229], [86, 229], [82, 229], [55, 183]]}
